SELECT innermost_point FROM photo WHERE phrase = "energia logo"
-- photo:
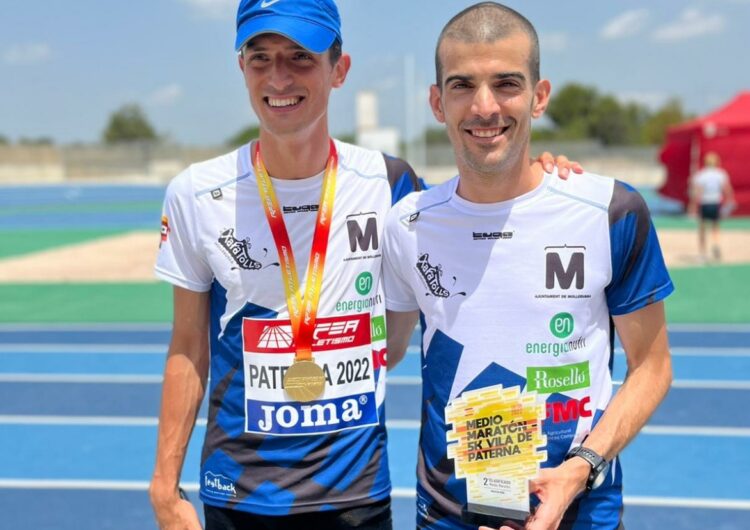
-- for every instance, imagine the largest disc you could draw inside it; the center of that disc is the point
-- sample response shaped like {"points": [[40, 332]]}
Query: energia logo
{"points": [[561, 326]]}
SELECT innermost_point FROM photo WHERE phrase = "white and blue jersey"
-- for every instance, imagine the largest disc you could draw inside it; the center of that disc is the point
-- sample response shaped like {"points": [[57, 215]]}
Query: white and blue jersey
{"points": [[263, 452], [521, 293]]}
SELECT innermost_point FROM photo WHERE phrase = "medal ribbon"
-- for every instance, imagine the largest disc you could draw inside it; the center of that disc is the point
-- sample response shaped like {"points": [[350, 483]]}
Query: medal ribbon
{"points": [[303, 310]]}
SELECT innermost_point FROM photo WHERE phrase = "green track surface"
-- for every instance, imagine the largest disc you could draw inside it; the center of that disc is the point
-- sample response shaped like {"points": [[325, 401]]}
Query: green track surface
{"points": [[719, 294], [90, 302], [703, 295], [18, 242], [688, 223]]}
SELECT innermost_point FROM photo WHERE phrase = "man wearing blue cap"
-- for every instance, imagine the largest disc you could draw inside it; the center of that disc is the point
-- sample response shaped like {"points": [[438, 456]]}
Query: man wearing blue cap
{"points": [[290, 310]]}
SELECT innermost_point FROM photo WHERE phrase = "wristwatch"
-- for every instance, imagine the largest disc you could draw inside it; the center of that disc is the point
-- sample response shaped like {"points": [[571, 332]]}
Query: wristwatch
{"points": [[599, 466]]}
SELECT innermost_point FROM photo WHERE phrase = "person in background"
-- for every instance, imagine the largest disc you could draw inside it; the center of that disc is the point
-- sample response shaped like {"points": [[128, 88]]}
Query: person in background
{"points": [[711, 198]]}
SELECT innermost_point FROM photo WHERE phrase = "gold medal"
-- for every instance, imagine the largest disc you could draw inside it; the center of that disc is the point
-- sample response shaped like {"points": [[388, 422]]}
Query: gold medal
{"points": [[304, 381]]}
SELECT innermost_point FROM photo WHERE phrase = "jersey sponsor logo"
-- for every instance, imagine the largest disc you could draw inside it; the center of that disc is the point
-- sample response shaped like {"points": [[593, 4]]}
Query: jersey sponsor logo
{"points": [[219, 485], [331, 333], [431, 275], [561, 326], [216, 194], [360, 238], [300, 209], [569, 410], [550, 379], [239, 251], [377, 325], [268, 3], [164, 230], [298, 418], [556, 273], [358, 305], [483, 236]]}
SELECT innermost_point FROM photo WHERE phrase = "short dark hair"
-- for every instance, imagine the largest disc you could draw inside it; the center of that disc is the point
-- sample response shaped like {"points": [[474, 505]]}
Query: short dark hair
{"points": [[488, 22]]}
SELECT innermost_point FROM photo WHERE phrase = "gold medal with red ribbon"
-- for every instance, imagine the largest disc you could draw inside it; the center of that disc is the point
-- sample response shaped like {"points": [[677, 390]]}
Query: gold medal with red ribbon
{"points": [[304, 380]]}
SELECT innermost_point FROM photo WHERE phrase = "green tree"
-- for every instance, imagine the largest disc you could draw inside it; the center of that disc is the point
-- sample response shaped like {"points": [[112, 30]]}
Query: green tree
{"points": [[4, 140], [436, 136], [615, 124], [41, 140], [128, 124], [571, 108], [655, 128]]}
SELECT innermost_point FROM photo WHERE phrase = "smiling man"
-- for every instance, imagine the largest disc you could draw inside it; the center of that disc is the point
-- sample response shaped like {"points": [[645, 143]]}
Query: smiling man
{"points": [[521, 279], [274, 251]]}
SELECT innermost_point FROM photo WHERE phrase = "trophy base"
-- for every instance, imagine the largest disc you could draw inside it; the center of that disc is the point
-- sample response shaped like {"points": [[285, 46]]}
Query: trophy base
{"points": [[492, 516]]}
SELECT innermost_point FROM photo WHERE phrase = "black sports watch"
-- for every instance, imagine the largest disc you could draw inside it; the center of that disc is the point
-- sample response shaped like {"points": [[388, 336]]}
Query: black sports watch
{"points": [[599, 466]]}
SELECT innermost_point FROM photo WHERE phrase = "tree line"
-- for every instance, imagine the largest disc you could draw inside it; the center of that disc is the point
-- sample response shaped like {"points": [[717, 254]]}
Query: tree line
{"points": [[577, 112]]}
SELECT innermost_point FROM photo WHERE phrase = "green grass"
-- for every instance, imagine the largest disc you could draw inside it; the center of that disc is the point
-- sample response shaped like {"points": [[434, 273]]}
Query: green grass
{"points": [[702, 295], [682, 222], [18, 242], [90, 302], [713, 294]]}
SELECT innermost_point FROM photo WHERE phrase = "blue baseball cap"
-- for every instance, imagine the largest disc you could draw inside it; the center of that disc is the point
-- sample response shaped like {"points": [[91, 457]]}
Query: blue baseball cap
{"points": [[313, 24]]}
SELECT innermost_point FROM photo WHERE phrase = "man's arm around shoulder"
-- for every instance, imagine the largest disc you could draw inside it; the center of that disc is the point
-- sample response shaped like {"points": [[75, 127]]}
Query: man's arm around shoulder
{"points": [[185, 376]]}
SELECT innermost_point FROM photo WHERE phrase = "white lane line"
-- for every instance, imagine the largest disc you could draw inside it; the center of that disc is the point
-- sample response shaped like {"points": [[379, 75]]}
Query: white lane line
{"points": [[635, 500], [149, 421], [160, 349], [401, 380], [710, 328], [696, 430], [102, 326], [398, 493], [96, 421], [702, 352], [687, 502], [81, 378]]}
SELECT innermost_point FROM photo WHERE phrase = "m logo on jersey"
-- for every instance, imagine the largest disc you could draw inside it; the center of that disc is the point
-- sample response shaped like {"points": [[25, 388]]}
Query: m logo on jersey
{"points": [[563, 266], [239, 250], [359, 237]]}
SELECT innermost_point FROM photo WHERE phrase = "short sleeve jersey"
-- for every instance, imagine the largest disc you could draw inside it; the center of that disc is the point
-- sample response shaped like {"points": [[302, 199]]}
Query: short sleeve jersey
{"points": [[521, 293], [711, 180], [263, 452]]}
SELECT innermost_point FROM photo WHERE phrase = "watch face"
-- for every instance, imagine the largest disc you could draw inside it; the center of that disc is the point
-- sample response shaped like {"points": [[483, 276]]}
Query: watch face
{"points": [[599, 478]]}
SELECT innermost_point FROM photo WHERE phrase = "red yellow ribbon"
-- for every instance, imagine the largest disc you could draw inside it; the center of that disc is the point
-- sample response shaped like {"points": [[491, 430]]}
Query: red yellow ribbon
{"points": [[303, 310]]}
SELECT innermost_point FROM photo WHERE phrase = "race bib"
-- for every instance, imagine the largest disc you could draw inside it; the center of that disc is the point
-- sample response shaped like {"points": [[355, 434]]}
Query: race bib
{"points": [[341, 346]]}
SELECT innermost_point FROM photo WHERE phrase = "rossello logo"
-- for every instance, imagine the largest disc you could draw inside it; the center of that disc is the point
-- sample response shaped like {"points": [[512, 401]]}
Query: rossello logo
{"points": [[561, 325], [363, 283], [550, 379]]}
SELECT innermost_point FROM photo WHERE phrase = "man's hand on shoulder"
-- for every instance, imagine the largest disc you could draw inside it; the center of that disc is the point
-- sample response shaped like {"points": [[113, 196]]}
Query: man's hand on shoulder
{"points": [[564, 166]]}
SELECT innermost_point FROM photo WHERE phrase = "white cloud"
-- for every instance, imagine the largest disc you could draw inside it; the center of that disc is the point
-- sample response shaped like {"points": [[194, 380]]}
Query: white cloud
{"points": [[214, 8], [692, 23], [625, 24], [554, 42], [166, 95], [30, 53]]}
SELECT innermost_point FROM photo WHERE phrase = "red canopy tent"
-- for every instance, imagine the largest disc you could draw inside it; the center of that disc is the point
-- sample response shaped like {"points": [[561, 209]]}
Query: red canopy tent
{"points": [[725, 131]]}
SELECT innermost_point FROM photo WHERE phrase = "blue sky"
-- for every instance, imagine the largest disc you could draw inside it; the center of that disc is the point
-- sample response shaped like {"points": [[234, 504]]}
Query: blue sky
{"points": [[65, 65]]}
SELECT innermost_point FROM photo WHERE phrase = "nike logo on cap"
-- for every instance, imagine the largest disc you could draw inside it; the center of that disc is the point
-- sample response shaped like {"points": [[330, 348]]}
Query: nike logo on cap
{"points": [[268, 3]]}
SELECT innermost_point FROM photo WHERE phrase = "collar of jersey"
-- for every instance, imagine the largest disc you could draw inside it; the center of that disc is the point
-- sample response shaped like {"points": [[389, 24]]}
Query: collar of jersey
{"points": [[493, 208]]}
